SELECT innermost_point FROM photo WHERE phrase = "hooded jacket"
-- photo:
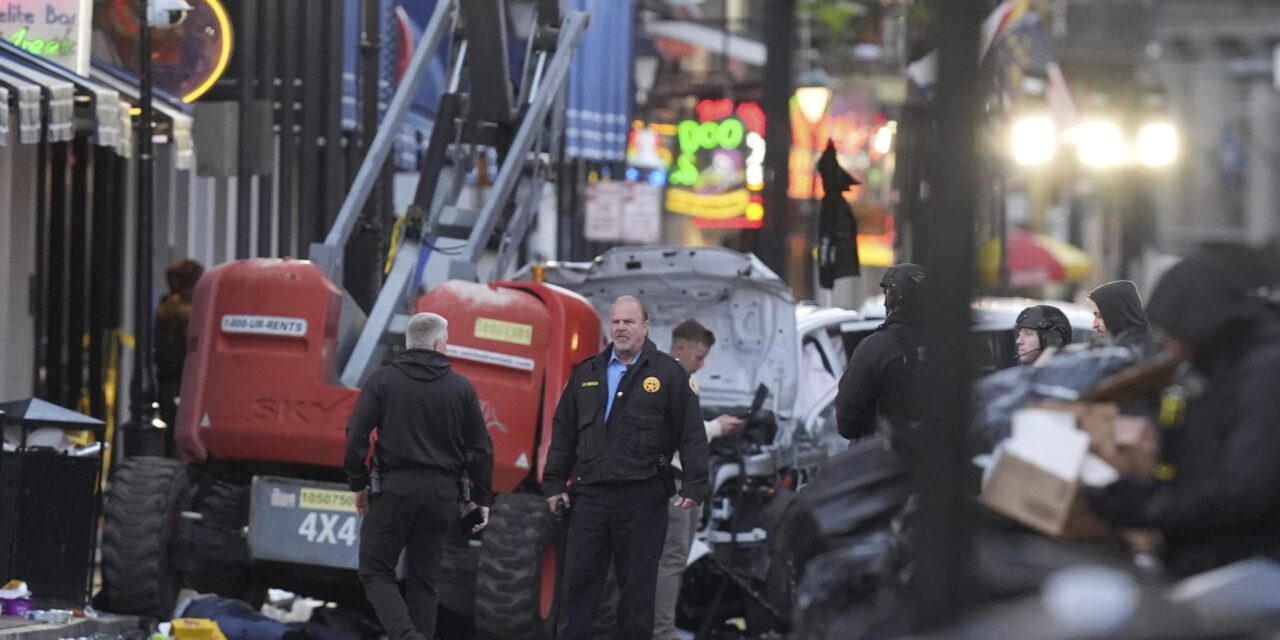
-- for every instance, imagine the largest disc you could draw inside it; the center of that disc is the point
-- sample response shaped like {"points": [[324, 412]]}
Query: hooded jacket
{"points": [[655, 412], [1121, 309], [428, 419], [1222, 503]]}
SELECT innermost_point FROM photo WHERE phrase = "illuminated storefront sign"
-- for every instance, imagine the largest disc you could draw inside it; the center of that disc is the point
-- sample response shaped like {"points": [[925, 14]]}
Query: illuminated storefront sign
{"points": [[56, 29], [649, 148], [187, 60], [718, 171]]}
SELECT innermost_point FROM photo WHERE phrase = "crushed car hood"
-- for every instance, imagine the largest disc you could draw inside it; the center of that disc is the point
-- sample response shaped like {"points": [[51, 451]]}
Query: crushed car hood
{"points": [[747, 306]]}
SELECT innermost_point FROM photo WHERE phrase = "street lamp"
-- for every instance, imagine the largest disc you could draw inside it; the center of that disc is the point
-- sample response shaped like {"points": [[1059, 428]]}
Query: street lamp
{"points": [[1101, 145], [882, 142], [1157, 145], [813, 94], [1034, 141]]}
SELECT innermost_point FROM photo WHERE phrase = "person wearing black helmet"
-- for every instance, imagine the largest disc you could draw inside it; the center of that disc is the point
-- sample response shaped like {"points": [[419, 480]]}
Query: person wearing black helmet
{"points": [[878, 382], [1040, 327]]}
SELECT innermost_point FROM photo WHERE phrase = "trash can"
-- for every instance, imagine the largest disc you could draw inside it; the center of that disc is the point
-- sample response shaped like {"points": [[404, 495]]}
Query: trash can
{"points": [[50, 473]]}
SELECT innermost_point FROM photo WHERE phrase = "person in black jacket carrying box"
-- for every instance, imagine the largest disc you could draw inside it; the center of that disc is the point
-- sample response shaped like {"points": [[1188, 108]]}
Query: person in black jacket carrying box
{"points": [[621, 418], [430, 430]]}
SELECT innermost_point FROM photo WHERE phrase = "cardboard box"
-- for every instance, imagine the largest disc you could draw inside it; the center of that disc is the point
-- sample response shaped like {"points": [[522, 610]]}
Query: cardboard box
{"points": [[1127, 443], [1036, 474]]}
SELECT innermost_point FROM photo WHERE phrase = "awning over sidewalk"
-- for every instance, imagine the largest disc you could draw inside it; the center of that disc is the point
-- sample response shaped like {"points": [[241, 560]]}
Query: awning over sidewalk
{"points": [[24, 98], [53, 104], [712, 40], [600, 83], [101, 103], [167, 108], [56, 99]]}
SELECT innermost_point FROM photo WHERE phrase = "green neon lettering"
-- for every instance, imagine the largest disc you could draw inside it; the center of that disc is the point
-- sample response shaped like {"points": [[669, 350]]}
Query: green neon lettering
{"points": [[731, 134], [707, 135], [686, 170], [688, 133]]}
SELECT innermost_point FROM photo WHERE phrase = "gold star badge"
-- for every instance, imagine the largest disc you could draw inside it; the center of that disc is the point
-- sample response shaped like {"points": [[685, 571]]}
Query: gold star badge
{"points": [[651, 384]]}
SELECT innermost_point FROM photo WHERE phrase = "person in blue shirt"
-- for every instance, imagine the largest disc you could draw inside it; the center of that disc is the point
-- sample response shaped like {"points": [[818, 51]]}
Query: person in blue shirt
{"points": [[621, 418]]}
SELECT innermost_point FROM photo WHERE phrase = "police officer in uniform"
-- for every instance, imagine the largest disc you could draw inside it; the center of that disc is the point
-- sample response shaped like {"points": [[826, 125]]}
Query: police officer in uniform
{"points": [[877, 385], [621, 418]]}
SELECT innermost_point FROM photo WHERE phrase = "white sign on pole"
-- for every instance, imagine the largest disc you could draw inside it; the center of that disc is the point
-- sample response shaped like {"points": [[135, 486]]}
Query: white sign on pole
{"points": [[59, 30], [642, 214], [605, 201]]}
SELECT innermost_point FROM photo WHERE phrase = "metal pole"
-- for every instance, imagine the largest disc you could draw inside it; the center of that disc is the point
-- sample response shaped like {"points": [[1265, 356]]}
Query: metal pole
{"points": [[146, 440], [944, 535], [245, 44], [771, 239], [364, 252]]}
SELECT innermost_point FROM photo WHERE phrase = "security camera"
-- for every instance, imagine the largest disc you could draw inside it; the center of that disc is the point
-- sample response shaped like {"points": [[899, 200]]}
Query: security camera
{"points": [[165, 14]]}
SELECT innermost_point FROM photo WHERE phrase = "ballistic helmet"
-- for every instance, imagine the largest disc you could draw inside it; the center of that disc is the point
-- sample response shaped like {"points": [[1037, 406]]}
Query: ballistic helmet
{"points": [[1049, 322], [900, 284]]}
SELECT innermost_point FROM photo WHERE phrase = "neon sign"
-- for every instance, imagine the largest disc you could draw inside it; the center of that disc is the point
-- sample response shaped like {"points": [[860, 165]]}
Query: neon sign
{"points": [[55, 29], [719, 172], [187, 60]]}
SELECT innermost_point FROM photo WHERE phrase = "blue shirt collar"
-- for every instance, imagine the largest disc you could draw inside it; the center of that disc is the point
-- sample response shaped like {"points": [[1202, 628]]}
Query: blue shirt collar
{"points": [[613, 358]]}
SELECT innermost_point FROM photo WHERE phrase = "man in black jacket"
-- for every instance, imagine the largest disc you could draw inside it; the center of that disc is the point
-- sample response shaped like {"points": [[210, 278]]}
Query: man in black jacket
{"points": [[430, 430], [879, 381], [1217, 500], [620, 420], [1117, 313]]}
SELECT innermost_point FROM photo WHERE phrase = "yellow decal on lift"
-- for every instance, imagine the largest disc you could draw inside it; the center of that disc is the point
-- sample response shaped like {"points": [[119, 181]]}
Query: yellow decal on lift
{"points": [[502, 331], [327, 500]]}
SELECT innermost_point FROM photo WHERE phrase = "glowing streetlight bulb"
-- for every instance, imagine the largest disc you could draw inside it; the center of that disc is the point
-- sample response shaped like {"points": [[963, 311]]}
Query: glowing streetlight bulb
{"points": [[1034, 140], [1157, 144]]}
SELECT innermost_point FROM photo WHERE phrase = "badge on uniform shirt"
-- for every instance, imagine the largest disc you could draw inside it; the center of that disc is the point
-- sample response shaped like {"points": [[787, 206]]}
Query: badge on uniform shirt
{"points": [[591, 383], [693, 386], [652, 385]]}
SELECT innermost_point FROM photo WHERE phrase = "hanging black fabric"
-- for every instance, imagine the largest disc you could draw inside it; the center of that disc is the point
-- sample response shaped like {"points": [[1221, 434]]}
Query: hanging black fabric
{"points": [[837, 228]]}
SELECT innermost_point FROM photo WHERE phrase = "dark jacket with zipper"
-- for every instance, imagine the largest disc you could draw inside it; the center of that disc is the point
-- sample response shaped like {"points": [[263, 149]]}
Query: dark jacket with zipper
{"points": [[655, 412], [429, 421]]}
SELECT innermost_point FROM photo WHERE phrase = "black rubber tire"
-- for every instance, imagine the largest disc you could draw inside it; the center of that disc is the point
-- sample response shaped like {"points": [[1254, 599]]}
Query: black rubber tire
{"points": [[224, 508], [509, 572], [145, 498]]}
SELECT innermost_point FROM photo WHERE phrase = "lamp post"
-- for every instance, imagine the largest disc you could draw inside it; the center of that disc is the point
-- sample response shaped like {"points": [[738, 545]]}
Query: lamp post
{"points": [[145, 433], [813, 95]]}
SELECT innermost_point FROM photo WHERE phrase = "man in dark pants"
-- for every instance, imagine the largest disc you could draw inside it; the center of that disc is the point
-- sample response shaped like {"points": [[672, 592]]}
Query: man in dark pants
{"points": [[430, 430], [620, 420]]}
